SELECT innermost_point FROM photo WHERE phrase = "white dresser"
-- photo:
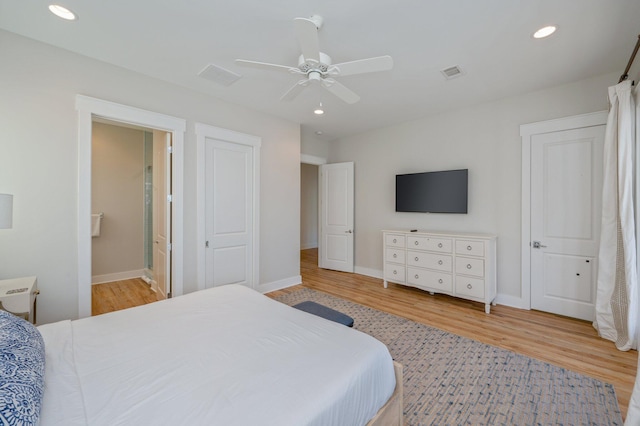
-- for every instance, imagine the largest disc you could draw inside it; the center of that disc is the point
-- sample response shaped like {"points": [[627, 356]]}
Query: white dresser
{"points": [[461, 265]]}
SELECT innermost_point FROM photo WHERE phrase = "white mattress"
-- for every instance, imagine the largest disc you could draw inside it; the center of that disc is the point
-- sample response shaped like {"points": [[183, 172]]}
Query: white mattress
{"points": [[224, 356]]}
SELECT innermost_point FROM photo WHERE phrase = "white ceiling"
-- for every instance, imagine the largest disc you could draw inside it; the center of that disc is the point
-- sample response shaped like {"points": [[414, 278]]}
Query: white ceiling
{"points": [[489, 39]]}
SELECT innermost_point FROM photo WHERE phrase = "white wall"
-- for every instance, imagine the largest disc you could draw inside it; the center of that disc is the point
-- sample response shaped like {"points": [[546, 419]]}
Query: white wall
{"points": [[308, 206], [313, 145], [117, 190], [38, 164], [486, 140]]}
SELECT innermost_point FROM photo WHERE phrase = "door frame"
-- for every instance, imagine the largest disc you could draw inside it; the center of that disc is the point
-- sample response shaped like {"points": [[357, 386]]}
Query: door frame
{"points": [[88, 108], [165, 206], [204, 131], [527, 131]]}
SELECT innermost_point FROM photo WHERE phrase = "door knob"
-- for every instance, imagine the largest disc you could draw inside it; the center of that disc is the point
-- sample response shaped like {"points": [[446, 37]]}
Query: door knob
{"points": [[537, 245], [348, 232]]}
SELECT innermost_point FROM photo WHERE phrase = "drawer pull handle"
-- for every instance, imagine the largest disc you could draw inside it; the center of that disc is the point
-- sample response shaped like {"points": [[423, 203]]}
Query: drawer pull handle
{"points": [[416, 258], [469, 286], [395, 272], [395, 241], [440, 280], [468, 266], [439, 245], [417, 276], [395, 255], [468, 247], [439, 262], [416, 243]]}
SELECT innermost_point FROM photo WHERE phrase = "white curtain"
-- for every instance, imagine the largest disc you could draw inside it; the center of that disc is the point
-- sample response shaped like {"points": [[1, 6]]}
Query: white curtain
{"points": [[616, 297], [617, 288]]}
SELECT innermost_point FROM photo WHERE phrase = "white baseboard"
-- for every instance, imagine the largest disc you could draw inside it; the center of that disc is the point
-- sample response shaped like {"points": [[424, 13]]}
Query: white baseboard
{"points": [[116, 276], [280, 284], [513, 301], [307, 246]]}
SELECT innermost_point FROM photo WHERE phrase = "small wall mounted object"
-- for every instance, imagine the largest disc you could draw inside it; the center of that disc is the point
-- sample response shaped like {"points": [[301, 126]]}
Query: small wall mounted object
{"points": [[6, 211]]}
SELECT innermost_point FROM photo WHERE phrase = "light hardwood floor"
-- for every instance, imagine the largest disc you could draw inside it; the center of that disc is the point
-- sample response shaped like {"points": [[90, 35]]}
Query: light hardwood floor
{"points": [[565, 342], [117, 295]]}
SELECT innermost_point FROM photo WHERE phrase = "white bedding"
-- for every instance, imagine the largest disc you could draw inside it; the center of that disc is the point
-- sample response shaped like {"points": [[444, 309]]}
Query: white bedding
{"points": [[224, 356]]}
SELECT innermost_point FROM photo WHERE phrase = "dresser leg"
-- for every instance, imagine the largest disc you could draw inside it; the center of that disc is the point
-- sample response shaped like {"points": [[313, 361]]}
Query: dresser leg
{"points": [[385, 283], [487, 308]]}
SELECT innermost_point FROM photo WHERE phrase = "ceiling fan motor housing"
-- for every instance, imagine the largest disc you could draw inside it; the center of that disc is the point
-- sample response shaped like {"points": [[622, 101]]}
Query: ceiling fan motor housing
{"points": [[309, 66]]}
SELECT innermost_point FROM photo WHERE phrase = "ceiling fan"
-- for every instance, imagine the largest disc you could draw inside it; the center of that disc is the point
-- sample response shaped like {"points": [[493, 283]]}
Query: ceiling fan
{"points": [[316, 66]]}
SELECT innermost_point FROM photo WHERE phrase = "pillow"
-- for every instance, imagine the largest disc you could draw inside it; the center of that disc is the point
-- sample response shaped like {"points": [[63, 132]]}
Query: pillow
{"points": [[21, 371]]}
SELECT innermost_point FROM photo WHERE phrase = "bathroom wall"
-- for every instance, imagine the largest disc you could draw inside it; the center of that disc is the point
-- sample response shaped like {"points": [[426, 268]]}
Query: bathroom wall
{"points": [[117, 188]]}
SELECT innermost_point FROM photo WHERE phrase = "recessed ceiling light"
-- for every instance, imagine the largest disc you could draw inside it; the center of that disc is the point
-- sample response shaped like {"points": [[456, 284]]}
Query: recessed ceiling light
{"points": [[62, 12], [545, 32], [319, 132]]}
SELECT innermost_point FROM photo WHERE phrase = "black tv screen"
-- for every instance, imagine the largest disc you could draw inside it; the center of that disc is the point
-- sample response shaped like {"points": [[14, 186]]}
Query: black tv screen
{"points": [[432, 192]]}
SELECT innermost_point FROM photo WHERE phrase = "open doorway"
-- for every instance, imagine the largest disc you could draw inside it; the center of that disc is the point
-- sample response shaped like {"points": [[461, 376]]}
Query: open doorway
{"points": [[334, 222], [309, 206], [130, 180], [90, 110]]}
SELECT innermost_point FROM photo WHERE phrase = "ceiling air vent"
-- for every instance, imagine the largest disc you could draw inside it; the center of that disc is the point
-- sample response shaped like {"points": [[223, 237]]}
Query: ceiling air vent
{"points": [[219, 75], [452, 72]]}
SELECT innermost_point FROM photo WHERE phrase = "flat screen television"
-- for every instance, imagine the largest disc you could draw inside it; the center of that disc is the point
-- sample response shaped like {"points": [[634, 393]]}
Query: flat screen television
{"points": [[432, 192]]}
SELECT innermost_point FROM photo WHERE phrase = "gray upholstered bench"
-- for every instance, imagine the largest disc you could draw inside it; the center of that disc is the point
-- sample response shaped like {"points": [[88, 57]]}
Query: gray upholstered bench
{"points": [[324, 312]]}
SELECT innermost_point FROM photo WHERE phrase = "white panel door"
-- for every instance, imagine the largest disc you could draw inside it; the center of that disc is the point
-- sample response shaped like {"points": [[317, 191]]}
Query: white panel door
{"points": [[335, 245], [566, 205], [161, 212], [229, 213]]}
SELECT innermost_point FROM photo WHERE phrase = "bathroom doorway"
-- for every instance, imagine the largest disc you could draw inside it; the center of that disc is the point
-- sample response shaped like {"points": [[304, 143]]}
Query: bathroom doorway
{"points": [[131, 215]]}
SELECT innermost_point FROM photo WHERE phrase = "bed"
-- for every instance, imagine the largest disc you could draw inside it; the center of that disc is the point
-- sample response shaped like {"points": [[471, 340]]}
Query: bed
{"points": [[227, 356]]}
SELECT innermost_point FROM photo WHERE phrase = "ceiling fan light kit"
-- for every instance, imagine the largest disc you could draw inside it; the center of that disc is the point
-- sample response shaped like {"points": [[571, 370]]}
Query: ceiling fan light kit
{"points": [[316, 66]]}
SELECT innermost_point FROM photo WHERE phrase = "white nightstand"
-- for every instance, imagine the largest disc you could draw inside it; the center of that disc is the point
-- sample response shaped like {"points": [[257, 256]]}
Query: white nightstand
{"points": [[18, 296]]}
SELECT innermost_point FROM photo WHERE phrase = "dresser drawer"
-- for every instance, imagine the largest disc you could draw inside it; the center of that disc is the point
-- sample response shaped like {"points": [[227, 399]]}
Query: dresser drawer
{"points": [[472, 287], [443, 245], [430, 279], [395, 255], [394, 240], [440, 262], [469, 247], [394, 273], [470, 266]]}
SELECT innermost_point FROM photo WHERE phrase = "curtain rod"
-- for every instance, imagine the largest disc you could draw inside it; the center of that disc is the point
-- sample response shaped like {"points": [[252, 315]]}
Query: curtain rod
{"points": [[625, 74]]}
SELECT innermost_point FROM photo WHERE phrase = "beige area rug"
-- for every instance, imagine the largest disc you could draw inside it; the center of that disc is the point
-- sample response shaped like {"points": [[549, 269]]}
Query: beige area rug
{"points": [[453, 380]]}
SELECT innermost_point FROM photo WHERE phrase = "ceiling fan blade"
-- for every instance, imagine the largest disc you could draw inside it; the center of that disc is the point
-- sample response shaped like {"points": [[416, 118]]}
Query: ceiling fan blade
{"points": [[379, 63], [295, 90], [340, 91], [307, 33], [264, 65]]}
